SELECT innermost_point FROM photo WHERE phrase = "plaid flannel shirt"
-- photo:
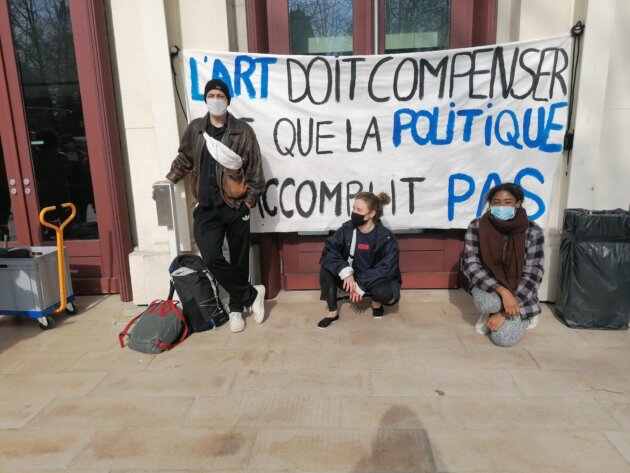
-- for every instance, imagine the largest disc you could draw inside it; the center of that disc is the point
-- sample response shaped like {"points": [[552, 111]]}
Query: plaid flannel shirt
{"points": [[527, 291]]}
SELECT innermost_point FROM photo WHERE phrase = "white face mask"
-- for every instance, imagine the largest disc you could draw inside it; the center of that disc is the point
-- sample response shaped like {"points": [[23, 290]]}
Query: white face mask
{"points": [[217, 107]]}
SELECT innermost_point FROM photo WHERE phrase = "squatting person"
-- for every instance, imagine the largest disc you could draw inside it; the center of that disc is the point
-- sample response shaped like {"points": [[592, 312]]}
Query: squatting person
{"points": [[503, 261], [361, 257]]}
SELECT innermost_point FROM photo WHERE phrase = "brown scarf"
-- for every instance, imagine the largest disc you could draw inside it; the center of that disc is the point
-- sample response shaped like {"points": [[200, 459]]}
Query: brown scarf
{"points": [[506, 268]]}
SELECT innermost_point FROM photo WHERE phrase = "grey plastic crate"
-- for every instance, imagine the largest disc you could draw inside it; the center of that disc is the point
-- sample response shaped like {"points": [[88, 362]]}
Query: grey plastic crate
{"points": [[30, 286]]}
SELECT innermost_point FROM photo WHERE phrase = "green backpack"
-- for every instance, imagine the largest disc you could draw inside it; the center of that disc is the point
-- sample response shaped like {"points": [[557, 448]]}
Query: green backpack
{"points": [[160, 327]]}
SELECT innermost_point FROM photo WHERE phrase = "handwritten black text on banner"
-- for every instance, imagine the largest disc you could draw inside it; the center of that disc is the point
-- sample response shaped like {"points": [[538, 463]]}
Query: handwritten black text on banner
{"points": [[435, 130]]}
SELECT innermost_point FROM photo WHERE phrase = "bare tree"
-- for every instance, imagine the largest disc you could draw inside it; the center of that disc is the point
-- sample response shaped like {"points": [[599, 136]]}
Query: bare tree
{"points": [[319, 19], [418, 16], [42, 35]]}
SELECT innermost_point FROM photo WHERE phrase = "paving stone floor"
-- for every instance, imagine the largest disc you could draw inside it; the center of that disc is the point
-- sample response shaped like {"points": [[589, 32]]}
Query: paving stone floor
{"points": [[417, 391]]}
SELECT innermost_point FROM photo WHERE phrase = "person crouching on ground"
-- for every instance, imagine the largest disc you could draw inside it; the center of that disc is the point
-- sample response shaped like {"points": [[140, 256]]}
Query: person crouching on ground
{"points": [[222, 155], [361, 257], [503, 261]]}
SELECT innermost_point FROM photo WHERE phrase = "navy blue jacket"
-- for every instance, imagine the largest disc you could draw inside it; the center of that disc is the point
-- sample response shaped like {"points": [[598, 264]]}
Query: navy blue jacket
{"points": [[383, 258]]}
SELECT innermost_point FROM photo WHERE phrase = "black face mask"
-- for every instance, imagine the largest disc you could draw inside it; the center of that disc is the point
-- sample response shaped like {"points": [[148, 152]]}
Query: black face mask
{"points": [[357, 219]]}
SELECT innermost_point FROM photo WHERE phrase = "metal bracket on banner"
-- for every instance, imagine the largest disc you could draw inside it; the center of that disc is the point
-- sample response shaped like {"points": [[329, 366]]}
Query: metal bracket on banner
{"points": [[577, 29], [568, 140]]}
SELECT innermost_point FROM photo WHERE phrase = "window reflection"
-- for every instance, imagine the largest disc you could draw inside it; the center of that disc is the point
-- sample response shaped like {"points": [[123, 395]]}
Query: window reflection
{"points": [[416, 25], [322, 27], [42, 34]]}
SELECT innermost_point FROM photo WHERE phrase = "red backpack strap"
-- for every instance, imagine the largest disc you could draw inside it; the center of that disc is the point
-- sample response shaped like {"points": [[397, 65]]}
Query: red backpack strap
{"points": [[121, 336], [172, 305]]}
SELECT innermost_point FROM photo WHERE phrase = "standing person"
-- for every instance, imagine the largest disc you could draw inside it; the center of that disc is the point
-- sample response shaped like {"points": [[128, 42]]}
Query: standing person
{"points": [[361, 257], [503, 260], [222, 155]]}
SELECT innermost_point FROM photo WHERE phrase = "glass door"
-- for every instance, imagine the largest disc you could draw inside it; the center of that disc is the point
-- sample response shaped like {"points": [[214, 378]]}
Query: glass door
{"points": [[44, 50], [7, 224], [362, 27], [14, 225], [340, 27], [60, 137]]}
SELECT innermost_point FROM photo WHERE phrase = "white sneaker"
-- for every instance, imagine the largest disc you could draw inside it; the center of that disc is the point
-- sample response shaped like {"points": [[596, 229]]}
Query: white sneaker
{"points": [[258, 307], [480, 326], [237, 324], [533, 322]]}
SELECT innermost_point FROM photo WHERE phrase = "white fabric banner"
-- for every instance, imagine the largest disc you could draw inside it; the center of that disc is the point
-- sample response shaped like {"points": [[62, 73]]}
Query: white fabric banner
{"points": [[434, 130]]}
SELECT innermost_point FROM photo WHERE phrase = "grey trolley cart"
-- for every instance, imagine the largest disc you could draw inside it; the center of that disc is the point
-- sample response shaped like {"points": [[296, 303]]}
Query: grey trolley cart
{"points": [[39, 285]]}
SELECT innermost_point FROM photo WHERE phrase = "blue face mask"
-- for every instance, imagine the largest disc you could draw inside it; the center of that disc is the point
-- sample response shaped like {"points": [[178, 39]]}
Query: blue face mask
{"points": [[503, 213]]}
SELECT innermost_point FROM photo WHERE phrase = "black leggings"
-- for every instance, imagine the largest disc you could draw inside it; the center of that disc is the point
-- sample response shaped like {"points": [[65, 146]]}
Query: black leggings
{"points": [[381, 292]]}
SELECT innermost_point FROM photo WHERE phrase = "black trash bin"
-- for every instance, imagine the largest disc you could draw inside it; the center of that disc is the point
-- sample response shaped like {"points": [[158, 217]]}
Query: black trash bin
{"points": [[595, 269]]}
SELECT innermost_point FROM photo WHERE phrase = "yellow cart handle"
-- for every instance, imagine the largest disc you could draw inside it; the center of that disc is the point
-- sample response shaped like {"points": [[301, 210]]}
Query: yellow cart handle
{"points": [[61, 260], [45, 210]]}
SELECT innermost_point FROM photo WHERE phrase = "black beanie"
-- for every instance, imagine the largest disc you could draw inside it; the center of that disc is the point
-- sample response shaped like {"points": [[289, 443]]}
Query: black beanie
{"points": [[217, 84]]}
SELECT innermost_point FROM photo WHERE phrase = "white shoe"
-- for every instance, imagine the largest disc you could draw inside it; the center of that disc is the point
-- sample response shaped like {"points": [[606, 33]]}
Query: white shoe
{"points": [[480, 326], [533, 322], [258, 307], [237, 324]]}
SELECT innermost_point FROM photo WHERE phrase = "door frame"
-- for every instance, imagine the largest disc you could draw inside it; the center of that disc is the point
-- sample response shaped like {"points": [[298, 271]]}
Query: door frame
{"points": [[110, 252], [17, 136], [473, 23], [11, 162]]}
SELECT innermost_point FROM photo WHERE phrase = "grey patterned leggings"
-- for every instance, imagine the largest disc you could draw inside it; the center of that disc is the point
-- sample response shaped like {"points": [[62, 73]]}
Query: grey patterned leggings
{"points": [[513, 328]]}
